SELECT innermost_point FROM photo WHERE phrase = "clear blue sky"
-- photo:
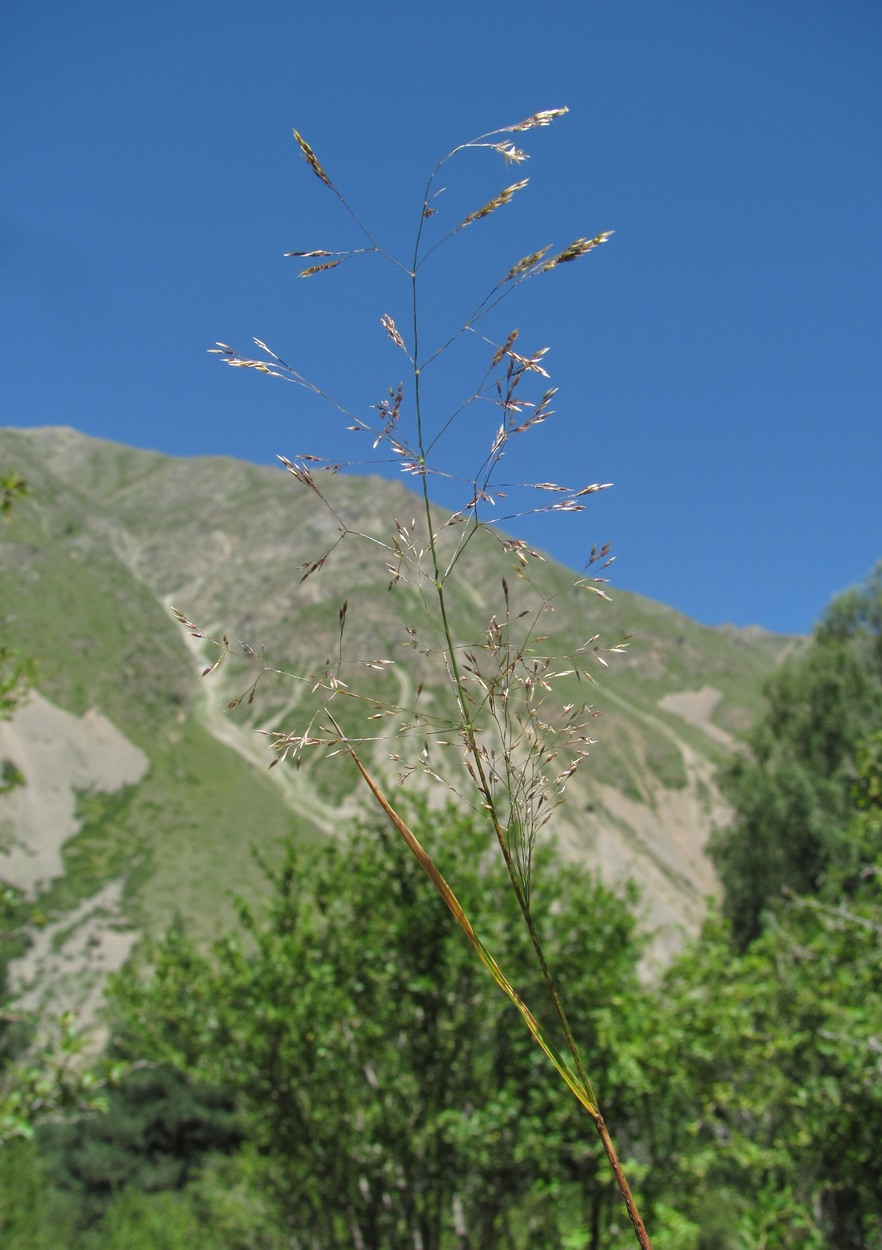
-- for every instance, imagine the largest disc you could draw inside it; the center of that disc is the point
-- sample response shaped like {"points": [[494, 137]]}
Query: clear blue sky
{"points": [[719, 360]]}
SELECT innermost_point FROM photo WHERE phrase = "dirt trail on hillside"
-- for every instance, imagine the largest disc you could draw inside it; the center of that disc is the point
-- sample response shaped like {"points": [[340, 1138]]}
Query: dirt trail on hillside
{"points": [[697, 707], [248, 740]]}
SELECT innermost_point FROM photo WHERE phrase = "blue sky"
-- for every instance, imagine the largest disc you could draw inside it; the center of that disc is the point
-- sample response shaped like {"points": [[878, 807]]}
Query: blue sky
{"points": [[719, 359]]}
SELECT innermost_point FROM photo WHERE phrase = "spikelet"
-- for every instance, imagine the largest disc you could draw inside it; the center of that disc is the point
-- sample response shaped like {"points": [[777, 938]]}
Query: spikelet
{"points": [[580, 247], [491, 206], [545, 118], [312, 160], [330, 264], [525, 263], [392, 330]]}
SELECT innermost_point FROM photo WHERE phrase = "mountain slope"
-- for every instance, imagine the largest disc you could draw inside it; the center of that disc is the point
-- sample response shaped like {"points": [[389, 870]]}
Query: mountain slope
{"points": [[110, 537]]}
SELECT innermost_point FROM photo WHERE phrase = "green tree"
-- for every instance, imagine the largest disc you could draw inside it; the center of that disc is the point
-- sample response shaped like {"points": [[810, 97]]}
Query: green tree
{"points": [[856, 616], [762, 1067], [793, 795], [374, 1060], [155, 1131], [32, 1215]]}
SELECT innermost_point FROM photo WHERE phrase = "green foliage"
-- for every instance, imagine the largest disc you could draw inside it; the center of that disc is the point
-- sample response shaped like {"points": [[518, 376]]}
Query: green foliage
{"points": [[763, 1067], [12, 487], [866, 827], [11, 776], [856, 616], [779, 1055], [772, 1063], [793, 796], [218, 1208], [386, 1090], [386, 1083], [33, 1216], [41, 1076], [136, 1220], [16, 671], [155, 1130]]}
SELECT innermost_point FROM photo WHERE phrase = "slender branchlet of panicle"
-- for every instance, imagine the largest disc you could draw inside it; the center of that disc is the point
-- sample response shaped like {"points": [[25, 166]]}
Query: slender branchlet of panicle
{"points": [[487, 704]]}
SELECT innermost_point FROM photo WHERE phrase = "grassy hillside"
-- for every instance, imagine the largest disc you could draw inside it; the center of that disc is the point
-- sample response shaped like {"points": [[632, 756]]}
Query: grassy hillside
{"points": [[110, 537]]}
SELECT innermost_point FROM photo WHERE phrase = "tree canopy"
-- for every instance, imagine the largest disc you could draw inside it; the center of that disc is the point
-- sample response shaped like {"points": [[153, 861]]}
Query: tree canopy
{"points": [[792, 796], [338, 1070], [391, 1090]]}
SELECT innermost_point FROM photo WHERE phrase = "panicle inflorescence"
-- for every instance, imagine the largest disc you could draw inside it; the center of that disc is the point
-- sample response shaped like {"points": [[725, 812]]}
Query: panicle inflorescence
{"points": [[476, 695], [495, 710]]}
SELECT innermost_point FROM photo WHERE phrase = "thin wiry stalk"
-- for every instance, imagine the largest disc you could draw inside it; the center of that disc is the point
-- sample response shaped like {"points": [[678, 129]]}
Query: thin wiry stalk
{"points": [[512, 791], [491, 806], [581, 1087]]}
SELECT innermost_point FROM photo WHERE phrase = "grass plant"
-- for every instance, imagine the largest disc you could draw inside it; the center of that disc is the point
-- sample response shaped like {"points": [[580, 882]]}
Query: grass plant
{"points": [[510, 735]]}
